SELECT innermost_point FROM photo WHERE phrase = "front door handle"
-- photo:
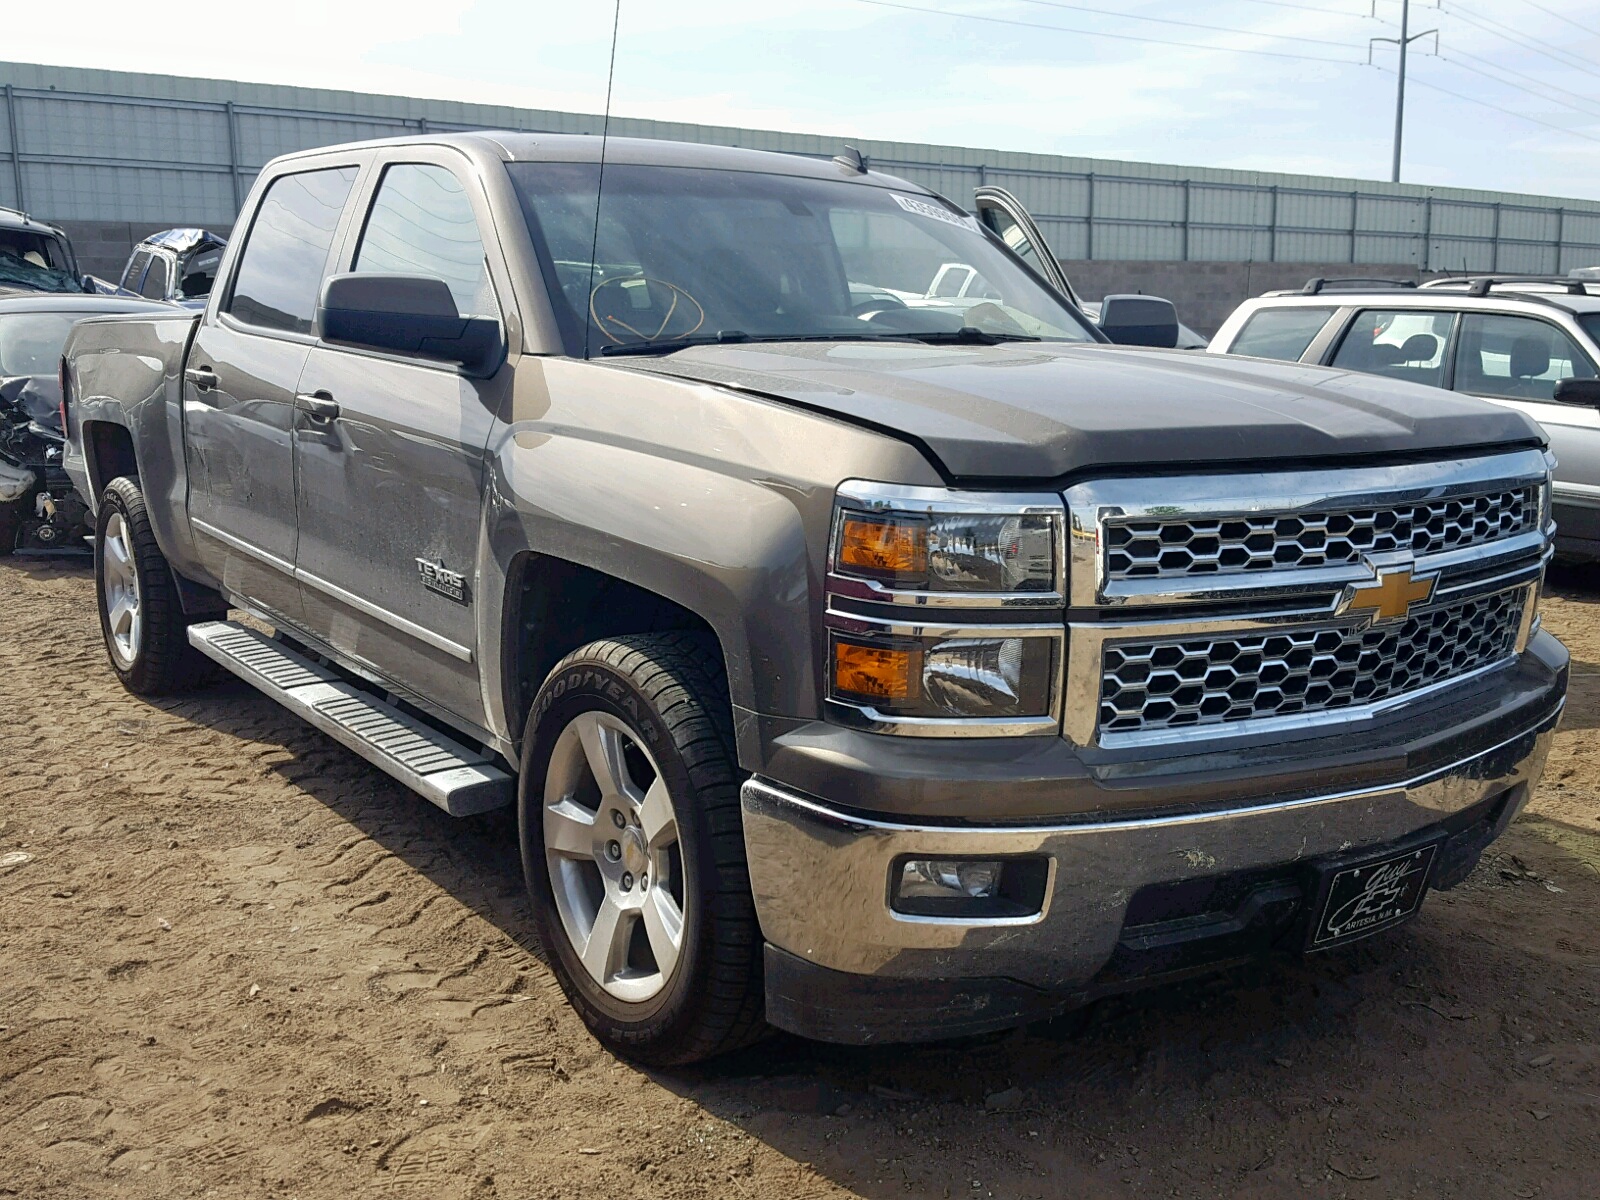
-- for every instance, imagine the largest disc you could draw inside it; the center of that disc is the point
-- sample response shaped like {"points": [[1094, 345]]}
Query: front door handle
{"points": [[203, 378], [319, 406]]}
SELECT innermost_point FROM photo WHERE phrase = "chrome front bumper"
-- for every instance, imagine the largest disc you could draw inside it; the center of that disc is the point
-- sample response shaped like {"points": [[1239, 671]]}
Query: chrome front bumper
{"points": [[821, 877]]}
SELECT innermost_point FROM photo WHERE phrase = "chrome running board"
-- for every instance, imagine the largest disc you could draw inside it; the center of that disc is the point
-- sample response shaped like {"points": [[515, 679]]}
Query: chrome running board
{"points": [[459, 780]]}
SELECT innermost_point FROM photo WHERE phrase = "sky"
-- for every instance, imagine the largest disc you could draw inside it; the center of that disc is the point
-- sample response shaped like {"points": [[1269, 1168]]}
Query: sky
{"points": [[1505, 96]]}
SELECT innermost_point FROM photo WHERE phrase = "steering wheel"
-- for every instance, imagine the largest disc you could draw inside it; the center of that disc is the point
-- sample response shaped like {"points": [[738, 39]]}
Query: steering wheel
{"points": [[876, 304], [684, 307]]}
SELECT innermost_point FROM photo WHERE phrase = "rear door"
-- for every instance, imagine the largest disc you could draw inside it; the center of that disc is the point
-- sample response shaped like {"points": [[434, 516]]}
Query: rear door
{"points": [[239, 389], [1517, 361], [390, 490]]}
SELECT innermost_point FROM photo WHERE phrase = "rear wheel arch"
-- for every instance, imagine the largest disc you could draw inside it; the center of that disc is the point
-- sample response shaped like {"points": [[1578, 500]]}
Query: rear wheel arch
{"points": [[108, 453]]}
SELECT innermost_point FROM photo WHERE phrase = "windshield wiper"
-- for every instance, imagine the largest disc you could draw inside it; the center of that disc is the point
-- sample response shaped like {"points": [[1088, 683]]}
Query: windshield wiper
{"points": [[735, 338], [969, 335]]}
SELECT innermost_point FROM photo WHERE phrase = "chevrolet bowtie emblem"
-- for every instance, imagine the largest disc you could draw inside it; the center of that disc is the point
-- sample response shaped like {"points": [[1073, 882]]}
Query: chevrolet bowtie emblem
{"points": [[1390, 598]]}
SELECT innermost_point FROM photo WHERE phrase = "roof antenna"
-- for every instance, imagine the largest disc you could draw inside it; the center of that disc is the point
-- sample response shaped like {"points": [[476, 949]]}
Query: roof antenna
{"points": [[852, 160], [600, 179]]}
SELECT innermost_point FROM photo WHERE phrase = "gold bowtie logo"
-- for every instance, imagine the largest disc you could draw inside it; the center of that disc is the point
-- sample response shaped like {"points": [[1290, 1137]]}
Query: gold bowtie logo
{"points": [[1390, 598]]}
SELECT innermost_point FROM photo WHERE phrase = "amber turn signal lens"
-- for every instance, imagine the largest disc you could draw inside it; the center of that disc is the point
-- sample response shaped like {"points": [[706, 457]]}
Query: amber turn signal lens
{"points": [[878, 672], [877, 546]]}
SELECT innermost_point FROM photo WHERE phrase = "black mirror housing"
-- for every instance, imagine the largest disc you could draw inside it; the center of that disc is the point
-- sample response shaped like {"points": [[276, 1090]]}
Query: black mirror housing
{"points": [[1139, 321], [406, 314], [1579, 391]]}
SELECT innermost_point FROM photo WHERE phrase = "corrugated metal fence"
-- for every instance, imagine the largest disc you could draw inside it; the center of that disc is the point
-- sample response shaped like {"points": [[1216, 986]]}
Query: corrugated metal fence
{"points": [[117, 146]]}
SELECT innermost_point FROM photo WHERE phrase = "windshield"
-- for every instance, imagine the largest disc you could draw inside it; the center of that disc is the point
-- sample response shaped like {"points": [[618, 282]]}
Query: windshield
{"points": [[707, 254], [30, 343]]}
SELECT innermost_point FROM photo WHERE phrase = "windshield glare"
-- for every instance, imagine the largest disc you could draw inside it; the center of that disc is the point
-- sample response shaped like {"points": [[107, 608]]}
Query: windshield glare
{"points": [[682, 253], [30, 343]]}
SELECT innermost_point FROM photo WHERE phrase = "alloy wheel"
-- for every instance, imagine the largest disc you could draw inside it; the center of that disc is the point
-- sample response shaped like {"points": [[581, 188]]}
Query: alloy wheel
{"points": [[120, 586], [615, 864]]}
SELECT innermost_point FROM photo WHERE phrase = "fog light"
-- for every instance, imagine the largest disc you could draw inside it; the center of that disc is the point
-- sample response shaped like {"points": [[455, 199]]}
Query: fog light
{"points": [[932, 878], [969, 889]]}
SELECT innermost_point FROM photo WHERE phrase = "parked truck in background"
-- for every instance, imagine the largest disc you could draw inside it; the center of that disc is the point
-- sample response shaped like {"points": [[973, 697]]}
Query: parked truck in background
{"points": [[874, 664]]}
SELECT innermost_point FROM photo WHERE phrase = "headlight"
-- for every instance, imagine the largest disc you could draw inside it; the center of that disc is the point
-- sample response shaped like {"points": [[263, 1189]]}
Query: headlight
{"points": [[937, 676], [927, 547]]}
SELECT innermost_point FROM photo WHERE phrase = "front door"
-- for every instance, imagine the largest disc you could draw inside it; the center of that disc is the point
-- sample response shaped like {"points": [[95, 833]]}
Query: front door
{"points": [[239, 392], [1517, 361], [1003, 213], [391, 481]]}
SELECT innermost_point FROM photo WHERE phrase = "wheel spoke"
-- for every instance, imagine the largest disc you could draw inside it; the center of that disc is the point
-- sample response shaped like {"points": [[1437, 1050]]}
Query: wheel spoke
{"points": [[606, 950], [602, 746], [663, 926], [656, 818], [118, 551], [569, 830], [121, 615], [135, 625]]}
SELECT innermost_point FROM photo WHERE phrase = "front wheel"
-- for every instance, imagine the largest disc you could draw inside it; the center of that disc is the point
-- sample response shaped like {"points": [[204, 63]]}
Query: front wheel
{"points": [[633, 849], [146, 632]]}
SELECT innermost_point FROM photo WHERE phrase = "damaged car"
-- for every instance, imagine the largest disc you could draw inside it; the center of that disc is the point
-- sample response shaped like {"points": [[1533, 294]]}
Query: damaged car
{"points": [[39, 509], [178, 265]]}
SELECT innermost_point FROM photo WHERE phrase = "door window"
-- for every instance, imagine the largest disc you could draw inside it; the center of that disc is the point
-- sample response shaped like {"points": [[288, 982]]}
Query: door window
{"points": [[1013, 235], [286, 254], [1281, 333], [134, 273], [1516, 358], [1399, 344], [422, 224], [155, 279]]}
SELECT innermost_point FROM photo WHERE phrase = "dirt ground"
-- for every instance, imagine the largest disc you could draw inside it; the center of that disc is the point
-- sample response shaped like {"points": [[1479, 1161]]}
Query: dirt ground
{"points": [[238, 962]]}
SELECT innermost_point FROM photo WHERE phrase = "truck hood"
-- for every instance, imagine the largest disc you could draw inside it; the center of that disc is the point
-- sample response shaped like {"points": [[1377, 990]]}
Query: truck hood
{"points": [[1042, 411]]}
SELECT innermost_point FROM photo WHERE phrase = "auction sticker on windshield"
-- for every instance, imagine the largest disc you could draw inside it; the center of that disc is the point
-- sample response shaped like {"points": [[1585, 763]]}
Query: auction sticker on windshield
{"points": [[937, 211], [1371, 896]]}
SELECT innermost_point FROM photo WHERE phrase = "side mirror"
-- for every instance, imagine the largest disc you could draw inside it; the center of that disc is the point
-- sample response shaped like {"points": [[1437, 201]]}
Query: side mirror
{"points": [[406, 314], [1139, 321], [1579, 391]]}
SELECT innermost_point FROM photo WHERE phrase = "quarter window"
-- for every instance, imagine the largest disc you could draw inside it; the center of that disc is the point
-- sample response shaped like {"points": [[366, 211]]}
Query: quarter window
{"points": [[422, 224], [286, 255], [1516, 358], [1281, 333], [1400, 344]]}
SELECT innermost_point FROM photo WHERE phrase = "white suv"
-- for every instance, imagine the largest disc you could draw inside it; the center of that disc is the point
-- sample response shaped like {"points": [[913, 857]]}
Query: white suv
{"points": [[1527, 342]]}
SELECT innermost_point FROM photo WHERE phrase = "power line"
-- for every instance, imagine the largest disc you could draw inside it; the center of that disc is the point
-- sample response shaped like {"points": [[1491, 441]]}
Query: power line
{"points": [[1554, 53], [1120, 37], [1434, 87], [1316, 8], [1104, 12], [1562, 17], [1582, 99]]}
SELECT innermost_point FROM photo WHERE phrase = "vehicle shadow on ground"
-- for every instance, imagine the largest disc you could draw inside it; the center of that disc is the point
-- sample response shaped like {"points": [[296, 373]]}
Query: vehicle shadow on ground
{"points": [[1240, 1081]]}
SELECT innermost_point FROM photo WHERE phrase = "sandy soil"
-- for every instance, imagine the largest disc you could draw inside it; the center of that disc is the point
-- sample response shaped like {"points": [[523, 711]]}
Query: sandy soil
{"points": [[240, 963]]}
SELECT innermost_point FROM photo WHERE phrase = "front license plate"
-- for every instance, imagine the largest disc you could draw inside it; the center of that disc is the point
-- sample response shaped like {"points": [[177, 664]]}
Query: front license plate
{"points": [[1371, 896]]}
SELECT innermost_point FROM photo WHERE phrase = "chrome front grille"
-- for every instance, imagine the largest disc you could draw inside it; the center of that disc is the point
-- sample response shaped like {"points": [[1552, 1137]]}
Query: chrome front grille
{"points": [[1173, 547], [1149, 686], [1223, 605]]}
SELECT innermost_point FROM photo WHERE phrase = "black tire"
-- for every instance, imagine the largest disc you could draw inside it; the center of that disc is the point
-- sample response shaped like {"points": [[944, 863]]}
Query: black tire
{"points": [[670, 692], [162, 661]]}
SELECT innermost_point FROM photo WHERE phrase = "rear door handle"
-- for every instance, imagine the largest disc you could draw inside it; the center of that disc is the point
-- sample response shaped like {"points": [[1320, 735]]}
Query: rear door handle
{"points": [[319, 406], [203, 378]]}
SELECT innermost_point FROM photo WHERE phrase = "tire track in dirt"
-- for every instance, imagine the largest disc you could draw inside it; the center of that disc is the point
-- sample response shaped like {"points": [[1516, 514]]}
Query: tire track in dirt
{"points": [[348, 1002]]}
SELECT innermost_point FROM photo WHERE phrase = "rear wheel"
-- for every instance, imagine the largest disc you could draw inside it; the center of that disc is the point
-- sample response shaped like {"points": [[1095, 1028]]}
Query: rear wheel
{"points": [[633, 849], [146, 632]]}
